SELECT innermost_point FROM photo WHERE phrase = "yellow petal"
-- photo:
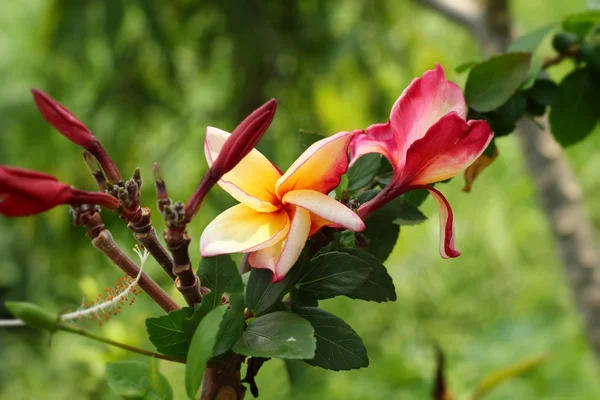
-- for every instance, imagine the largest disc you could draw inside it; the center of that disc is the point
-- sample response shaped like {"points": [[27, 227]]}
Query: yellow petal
{"points": [[325, 207], [282, 256], [252, 181], [320, 167], [242, 229]]}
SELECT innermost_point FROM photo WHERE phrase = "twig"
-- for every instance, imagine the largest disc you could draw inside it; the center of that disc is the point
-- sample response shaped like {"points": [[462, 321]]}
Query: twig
{"points": [[124, 346], [572, 52], [104, 241]]}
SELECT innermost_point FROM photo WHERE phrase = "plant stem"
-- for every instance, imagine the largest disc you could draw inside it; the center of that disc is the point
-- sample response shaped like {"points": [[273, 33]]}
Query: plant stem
{"points": [[570, 53], [187, 282], [106, 244], [144, 233], [81, 332]]}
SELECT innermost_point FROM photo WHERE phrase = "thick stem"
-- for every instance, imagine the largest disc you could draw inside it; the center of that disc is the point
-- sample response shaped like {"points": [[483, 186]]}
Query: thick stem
{"points": [[144, 232], [106, 244], [124, 346], [187, 282], [222, 380]]}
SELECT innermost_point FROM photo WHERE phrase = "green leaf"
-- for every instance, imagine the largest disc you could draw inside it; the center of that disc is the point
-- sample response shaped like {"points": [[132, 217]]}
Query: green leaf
{"points": [[201, 350], [416, 197], [33, 315], [338, 346], [262, 294], [220, 274], [232, 326], [333, 274], [398, 211], [307, 138], [300, 298], [576, 111], [280, 334], [363, 171], [465, 66], [171, 334], [158, 382], [491, 83], [581, 24], [544, 91], [379, 286], [531, 41], [381, 236], [131, 379]]}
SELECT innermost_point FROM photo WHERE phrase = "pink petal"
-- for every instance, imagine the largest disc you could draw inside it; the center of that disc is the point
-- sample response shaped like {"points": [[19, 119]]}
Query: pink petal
{"points": [[242, 229], [449, 146], [325, 207], [320, 167], [252, 181], [378, 138], [282, 256], [447, 249], [422, 104]]}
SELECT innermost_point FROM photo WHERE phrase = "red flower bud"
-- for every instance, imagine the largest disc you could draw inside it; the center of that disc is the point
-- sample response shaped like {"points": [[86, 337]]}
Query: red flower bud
{"points": [[74, 130], [243, 139], [24, 192]]}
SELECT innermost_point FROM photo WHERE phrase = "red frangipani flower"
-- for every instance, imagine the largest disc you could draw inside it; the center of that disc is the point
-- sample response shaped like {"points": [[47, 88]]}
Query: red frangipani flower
{"points": [[24, 192], [427, 140], [66, 123]]}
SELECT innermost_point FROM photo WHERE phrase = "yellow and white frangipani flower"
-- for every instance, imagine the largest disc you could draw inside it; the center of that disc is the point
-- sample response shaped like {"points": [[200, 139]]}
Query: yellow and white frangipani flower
{"points": [[278, 212]]}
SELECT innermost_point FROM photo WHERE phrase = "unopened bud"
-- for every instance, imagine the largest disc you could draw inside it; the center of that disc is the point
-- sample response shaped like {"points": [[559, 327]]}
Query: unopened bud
{"points": [[74, 130], [33, 315]]}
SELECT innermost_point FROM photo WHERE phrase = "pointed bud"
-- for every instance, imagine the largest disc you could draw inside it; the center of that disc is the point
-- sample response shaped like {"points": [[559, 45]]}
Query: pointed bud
{"points": [[33, 315], [24, 192], [162, 196], [74, 130], [243, 139]]}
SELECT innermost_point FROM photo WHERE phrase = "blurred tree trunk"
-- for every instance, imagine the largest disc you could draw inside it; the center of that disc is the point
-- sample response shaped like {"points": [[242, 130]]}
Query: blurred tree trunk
{"points": [[557, 188]]}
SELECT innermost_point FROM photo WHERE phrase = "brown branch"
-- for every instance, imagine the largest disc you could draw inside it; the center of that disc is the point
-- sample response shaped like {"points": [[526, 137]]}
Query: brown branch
{"points": [[144, 232], [104, 241], [571, 53], [222, 379]]}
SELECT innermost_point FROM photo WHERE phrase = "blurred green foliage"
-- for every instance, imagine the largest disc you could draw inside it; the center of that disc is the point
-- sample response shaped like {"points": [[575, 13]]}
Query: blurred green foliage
{"points": [[148, 76]]}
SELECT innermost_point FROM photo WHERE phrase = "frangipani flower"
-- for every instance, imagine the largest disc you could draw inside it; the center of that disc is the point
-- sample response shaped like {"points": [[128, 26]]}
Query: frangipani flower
{"points": [[278, 212], [426, 140]]}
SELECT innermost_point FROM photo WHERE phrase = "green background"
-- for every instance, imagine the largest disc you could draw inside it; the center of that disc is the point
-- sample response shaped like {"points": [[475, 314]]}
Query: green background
{"points": [[148, 76]]}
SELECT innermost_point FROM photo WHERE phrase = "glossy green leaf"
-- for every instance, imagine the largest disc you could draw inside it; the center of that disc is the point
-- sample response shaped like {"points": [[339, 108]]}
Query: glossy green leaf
{"points": [[531, 41], [576, 112], [232, 326], [333, 274], [280, 334], [262, 295], [221, 275], [363, 171], [131, 379], [170, 333], [338, 346], [201, 349], [544, 91], [465, 66], [379, 286], [491, 83]]}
